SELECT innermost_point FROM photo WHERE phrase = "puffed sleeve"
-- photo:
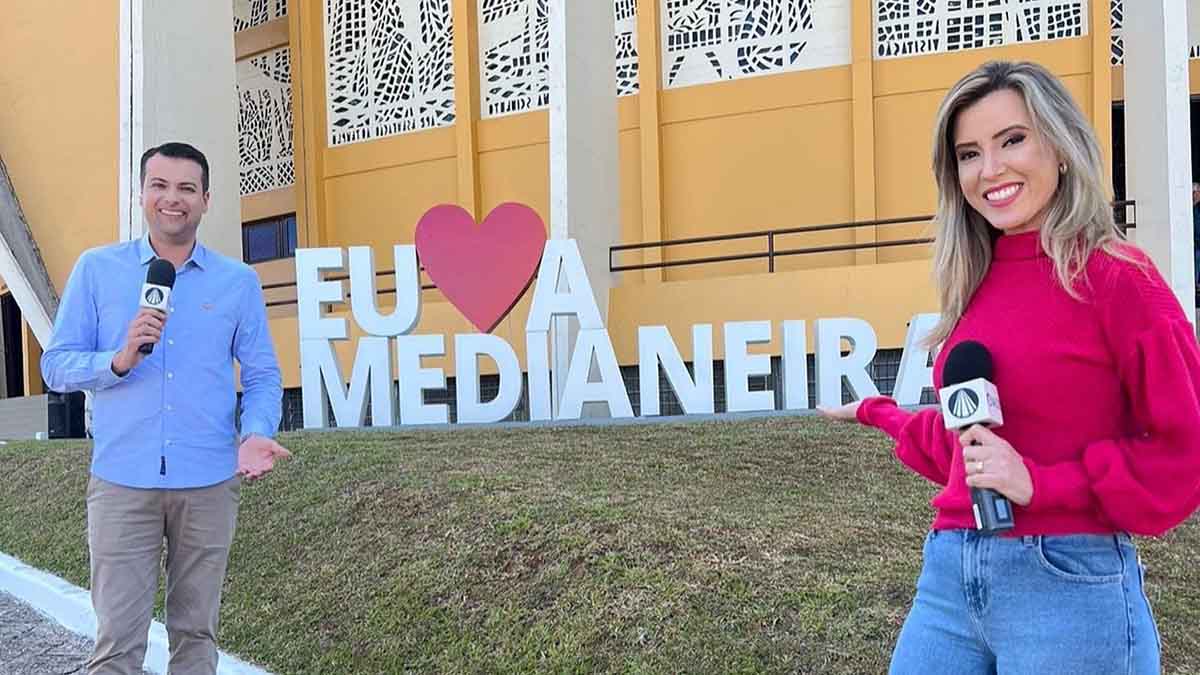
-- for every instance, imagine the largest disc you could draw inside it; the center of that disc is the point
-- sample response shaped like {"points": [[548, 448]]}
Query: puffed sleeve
{"points": [[1149, 481], [923, 443]]}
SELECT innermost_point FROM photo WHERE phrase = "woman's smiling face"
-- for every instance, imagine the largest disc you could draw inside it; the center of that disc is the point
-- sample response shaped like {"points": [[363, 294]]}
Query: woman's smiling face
{"points": [[1006, 169]]}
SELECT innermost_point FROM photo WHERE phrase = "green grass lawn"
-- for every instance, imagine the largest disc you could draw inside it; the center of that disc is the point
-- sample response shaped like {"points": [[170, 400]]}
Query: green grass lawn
{"points": [[769, 545]]}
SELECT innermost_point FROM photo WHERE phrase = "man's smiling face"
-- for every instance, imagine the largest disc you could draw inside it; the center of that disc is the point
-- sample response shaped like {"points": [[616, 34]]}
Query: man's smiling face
{"points": [[173, 198]]}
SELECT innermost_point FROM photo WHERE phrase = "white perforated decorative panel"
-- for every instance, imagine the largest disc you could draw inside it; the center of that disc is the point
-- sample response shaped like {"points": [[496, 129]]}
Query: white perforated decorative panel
{"points": [[390, 67], [265, 151], [912, 27], [712, 40], [249, 13], [514, 44]]}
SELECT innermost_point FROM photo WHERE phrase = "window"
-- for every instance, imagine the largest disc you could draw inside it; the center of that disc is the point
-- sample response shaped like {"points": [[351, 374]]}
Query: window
{"points": [[269, 239]]}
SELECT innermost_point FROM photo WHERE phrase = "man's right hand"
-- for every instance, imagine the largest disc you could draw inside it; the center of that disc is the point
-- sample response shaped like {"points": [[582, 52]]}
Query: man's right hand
{"points": [[145, 329]]}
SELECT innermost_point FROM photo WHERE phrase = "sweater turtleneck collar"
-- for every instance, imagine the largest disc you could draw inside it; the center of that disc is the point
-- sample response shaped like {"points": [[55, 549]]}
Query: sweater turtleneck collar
{"points": [[1023, 246]]}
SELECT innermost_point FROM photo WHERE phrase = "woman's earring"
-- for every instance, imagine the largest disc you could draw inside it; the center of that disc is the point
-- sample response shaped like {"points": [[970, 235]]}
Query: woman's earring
{"points": [[1062, 168]]}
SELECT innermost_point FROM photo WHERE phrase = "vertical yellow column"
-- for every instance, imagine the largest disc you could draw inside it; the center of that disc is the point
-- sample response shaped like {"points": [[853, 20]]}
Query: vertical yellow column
{"points": [[1102, 84], [650, 121], [306, 30], [32, 352], [862, 73], [466, 103]]}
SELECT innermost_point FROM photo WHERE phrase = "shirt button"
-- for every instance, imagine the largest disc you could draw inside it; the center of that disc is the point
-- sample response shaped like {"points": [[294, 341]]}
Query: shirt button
{"points": [[170, 376], [168, 442], [170, 408], [170, 342]]}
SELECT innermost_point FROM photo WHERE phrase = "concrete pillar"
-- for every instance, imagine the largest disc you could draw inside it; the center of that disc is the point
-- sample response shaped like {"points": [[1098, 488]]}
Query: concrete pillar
{"points": [[178, 79], [584, 199], [1157, 139]]}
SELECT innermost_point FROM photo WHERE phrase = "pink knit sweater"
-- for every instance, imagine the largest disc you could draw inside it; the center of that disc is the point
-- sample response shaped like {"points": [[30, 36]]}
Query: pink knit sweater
{"points": [[1101, 398]]}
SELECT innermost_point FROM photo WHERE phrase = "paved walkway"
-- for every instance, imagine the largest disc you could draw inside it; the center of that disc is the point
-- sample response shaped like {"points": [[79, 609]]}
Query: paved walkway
{"points": [[31, 644]]}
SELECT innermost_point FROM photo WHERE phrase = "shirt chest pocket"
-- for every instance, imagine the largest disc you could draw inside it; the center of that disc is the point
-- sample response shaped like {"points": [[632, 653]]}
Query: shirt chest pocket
{"points": [[204, 326]]}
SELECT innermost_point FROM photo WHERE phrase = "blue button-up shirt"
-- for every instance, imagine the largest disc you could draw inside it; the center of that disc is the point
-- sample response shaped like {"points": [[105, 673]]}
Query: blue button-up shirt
{"points": [[169, 422]]}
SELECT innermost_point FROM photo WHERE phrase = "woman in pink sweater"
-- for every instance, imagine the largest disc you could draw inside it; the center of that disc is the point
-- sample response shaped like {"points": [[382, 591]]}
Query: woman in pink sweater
{"points": [[1098, 372]]}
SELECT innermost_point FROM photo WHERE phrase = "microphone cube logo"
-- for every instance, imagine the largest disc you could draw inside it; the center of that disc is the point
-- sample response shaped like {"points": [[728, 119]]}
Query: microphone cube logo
{"points": [[155, 297], [964, 403], [971, 402]]}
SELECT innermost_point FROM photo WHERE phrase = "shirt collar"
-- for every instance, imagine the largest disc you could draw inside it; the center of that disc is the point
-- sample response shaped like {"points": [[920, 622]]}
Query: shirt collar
{"points": [[145, 250], [199, 256], [146, 253]]}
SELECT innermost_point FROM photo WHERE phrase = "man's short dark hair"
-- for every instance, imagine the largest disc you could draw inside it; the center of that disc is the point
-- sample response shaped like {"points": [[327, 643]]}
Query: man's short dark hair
{"points": [[178, 151]]}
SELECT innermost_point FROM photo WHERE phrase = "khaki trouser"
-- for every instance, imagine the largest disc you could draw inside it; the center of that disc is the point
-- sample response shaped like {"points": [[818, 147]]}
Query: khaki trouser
{"points": [[126, 527]]}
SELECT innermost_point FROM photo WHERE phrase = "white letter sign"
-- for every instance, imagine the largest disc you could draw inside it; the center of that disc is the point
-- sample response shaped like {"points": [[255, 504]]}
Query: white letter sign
{"points": [[832, 366]]}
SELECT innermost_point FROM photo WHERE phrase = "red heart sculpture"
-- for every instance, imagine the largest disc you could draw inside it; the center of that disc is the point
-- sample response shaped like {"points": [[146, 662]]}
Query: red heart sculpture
{"points": [[484, 269]]}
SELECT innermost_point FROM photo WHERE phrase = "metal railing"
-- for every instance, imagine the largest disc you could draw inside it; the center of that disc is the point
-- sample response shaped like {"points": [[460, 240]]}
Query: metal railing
{"points": [[339, 277], [1125, 209], [773, 251], [1125, 213]]}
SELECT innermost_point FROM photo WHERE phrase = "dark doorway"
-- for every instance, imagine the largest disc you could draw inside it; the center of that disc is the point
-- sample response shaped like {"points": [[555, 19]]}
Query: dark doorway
{"points": [[1118, 150], [14, 366], [1195, 137], [1118, 145], [1119, 172]]}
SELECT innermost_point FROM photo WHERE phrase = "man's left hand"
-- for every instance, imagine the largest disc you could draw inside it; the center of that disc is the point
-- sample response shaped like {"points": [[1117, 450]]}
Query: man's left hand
{"points": [[257, 455]]}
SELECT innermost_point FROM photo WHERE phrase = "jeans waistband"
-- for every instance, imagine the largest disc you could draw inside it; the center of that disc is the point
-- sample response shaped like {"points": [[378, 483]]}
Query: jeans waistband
{"points": [[1032, 539]]}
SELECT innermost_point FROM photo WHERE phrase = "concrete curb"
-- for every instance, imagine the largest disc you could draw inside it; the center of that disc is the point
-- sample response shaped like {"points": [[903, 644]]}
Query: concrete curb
{"points": [[71, 607]]}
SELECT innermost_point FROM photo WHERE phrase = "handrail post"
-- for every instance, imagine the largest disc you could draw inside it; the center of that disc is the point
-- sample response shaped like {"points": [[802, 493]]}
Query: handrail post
{"points": [[771, 252]]}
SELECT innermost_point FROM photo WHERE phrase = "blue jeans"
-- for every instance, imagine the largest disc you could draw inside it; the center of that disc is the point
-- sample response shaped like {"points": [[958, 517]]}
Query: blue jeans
{"points": [[1045, 604]]}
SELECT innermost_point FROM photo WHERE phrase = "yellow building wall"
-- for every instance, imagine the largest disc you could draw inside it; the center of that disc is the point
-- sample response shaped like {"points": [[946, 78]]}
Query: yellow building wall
{"points": [[756, 171], [797, 149], [380, 208], [59, 131], [59, 125], [806, 295]]}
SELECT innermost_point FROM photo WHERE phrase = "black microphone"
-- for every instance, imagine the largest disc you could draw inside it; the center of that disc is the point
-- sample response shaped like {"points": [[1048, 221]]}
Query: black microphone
{"points": [[160, 279], [968, 397]]}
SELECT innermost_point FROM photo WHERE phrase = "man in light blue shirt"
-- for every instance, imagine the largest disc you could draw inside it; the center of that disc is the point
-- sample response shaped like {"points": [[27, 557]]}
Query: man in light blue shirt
{"points": [[168, 459]]}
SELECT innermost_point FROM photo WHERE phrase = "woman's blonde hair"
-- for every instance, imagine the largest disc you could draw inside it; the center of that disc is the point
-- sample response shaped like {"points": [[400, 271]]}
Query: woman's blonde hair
{"points": [[1079, 219]]}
